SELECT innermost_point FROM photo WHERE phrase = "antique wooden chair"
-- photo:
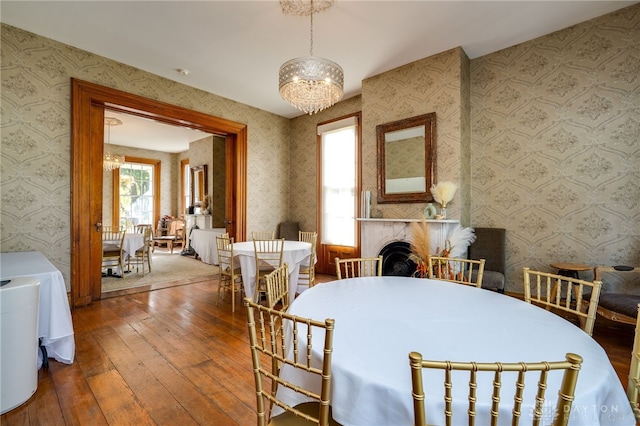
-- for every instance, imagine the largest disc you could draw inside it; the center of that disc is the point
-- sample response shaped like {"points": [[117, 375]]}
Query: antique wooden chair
{"points": [[490, 244], [616, 306]]}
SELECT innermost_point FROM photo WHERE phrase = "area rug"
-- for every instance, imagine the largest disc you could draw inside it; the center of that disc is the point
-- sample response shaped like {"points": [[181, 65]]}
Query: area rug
{"points": [[165, 267]]}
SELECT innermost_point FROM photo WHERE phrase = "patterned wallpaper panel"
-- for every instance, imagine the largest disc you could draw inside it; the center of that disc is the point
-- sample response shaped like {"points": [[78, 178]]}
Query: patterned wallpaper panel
{"points": [[555, 146], [428, 85], [218, 176], [35, 159]]}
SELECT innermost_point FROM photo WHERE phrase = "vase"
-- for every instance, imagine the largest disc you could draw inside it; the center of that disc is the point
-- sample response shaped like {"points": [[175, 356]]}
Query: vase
{"points": [[430, 211], [443, 212]]}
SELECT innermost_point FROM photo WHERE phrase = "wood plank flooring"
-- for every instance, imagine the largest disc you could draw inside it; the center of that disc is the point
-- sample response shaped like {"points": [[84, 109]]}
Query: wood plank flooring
{"points": [[171, 356]]}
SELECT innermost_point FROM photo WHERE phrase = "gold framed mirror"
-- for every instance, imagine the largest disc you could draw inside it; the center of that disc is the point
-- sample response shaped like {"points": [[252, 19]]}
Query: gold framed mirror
{"points": [[406, 159], [198, 184]]}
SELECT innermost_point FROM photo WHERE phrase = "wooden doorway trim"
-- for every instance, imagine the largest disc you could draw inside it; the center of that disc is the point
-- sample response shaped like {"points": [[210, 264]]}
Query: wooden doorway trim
{"points": [[88, 101]]}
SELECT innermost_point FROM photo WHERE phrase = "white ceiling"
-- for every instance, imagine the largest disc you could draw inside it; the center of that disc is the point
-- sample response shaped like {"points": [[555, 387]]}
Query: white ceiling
{"points": [[144, 133], [235, 48]]}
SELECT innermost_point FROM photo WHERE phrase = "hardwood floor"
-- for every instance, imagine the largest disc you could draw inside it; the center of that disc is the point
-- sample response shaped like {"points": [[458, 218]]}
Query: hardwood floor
{"points": [[171, 356]]}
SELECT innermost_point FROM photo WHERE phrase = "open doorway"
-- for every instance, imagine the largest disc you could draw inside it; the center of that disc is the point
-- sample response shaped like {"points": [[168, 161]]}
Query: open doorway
{"points": [[89, 101], [148, 188]]}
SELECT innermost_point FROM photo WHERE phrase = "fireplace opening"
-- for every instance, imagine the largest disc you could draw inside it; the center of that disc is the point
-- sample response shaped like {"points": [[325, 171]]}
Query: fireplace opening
{"points": [[395, 259]]}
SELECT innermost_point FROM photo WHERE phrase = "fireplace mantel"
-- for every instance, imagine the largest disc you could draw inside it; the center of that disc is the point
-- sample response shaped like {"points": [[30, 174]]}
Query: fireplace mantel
{"points": [[361, 219], [375, 233]]}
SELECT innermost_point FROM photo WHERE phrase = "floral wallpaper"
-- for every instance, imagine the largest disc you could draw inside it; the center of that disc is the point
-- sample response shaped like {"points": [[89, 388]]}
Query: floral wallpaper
{"points": [[555, 146], [35, 160], [541, 137]]}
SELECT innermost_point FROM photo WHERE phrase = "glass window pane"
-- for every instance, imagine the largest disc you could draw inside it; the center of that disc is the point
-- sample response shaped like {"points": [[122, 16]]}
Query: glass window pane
{"points": [[136, 194], [338, 187]]}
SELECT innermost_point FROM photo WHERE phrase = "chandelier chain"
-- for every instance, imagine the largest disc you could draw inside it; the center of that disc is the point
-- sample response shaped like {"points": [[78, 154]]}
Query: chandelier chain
{"points": [[311, 35]]}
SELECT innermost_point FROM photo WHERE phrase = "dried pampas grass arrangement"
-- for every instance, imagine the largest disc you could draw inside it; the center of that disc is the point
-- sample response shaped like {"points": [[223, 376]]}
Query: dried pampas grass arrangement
{"points": [[443, 192], [420, 247]]}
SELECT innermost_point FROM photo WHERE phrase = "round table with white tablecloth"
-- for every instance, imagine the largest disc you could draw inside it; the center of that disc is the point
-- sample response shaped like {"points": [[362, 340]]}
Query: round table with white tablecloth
{"points": [[294, 253], [379, 320]]}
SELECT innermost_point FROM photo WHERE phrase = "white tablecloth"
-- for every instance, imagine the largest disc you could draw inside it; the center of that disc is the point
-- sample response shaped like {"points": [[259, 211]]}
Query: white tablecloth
{"points": [[294, 253], [203, 241], [132, 242], [55, 327], [379, 320]]}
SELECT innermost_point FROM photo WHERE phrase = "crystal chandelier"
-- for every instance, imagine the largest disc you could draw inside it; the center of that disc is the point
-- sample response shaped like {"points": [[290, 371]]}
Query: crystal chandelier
{"points": [[111, 161], [309, 83]]}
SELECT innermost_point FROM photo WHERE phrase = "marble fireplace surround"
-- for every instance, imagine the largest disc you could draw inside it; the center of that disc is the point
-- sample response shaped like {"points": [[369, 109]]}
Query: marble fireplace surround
{"points": [[375, 234]]}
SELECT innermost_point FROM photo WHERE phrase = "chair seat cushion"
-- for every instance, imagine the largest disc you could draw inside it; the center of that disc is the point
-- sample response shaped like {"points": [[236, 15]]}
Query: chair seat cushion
{"points": [[626, 304], [491, 280], [289, 419]]}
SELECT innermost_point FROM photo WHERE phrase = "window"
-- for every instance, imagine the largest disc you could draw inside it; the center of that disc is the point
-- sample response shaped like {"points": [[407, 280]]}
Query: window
{"points": [[185, 185], [339, 182], [136, 192]]}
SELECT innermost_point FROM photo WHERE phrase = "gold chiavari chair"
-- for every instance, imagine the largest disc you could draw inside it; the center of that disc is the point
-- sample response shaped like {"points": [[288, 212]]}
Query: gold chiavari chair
{"points": [[263, 235], [307, 274], [557, 292], [268, 255], [229, 273], [456, 270], [142, 256], [278, 287], [266, 325], [633, 385], [112, 248], [359, 267], [571, 367]]}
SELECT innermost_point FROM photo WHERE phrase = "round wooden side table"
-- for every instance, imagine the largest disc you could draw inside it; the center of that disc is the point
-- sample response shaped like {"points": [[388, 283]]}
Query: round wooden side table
{"points": [[570, 269]]}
